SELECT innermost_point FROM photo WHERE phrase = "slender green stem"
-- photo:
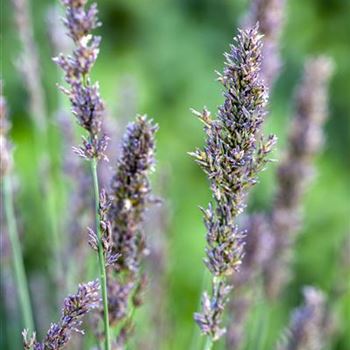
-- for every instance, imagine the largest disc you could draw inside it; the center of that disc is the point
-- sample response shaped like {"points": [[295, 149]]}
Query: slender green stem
{"points": [[209, 343], [20, 276], [101, 259], [56, 265]]}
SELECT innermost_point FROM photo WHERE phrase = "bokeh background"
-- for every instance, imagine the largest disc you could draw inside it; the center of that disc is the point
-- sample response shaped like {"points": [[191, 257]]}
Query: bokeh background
{"points": [[158, 57]]}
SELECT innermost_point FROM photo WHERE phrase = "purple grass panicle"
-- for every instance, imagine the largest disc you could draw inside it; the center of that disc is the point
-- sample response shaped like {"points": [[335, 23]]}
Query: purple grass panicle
{"points": [[75, 307], [293, 174], [271, 17], [87, 105], [111, 257], [213, 306], [234, 154], [296, 170], [130, 196], [131, 192], [307, 329]]}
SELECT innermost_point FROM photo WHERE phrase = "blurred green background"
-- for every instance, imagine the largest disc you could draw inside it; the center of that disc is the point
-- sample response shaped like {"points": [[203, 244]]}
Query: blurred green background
{"points": [[166, 52]]}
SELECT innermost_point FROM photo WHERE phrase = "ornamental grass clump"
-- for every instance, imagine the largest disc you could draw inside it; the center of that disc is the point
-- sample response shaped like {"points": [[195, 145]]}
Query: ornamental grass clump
{"points": [[234, 154], [242, 252]]}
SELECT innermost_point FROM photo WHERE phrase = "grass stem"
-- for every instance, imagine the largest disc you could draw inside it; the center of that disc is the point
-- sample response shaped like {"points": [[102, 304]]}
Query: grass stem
{"points": [[18, 265], [209, 343], [101, 259]]}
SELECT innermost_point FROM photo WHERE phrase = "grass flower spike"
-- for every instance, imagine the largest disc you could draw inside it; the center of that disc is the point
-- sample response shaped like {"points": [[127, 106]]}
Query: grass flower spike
{"points": [[84, 96], [308, 323], [88, 109], [297, 169], [130, 195], [75, 307], [234, 154], [131, 192]]}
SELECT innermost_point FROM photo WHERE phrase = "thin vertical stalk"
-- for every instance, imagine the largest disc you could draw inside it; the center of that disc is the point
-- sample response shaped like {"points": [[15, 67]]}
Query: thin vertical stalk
{"points": [[101, 259], [29, 65], [20, 276], [43, 154], [209, 343]]}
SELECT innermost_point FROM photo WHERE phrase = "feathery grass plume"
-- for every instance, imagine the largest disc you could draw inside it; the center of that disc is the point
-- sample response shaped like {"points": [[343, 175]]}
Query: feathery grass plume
{"points": [[84, 96], [130, 196], [270, 14], [307, 325], [75, 307], [296, 169], [88, 109], [9, 211], [29, 64], [131, 192], [233, 156], [260, 239]]}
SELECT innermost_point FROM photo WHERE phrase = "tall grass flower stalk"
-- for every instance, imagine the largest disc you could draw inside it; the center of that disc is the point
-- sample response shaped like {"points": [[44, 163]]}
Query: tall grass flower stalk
{"points": [[18, 265], [88, 110], [270, 14], [296, 170], [271, 238], [308, 323], [234, 154], [130, 197]]}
